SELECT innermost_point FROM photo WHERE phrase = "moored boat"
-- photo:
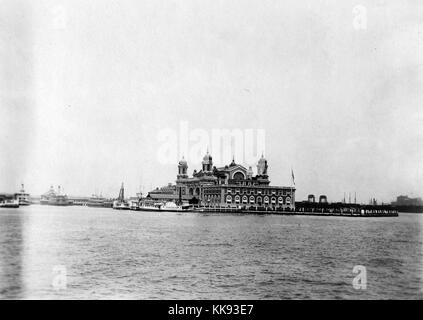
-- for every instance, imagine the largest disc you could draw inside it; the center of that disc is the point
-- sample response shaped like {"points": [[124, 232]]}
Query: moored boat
{"points": [[9, 203], [23, 197], [120, 203], [99, 202], [53, 198], [150, 205]]}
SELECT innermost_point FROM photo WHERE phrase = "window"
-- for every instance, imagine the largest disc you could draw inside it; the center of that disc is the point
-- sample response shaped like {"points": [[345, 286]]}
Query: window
{"points": [[280, 200], [237, 199], [288, 200], [273, 200], [228, 199], [238, 176], [251, 199], [266, 199], [244, 199]]}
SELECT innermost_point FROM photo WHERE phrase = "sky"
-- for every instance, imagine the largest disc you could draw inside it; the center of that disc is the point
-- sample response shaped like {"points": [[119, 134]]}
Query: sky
{"points": [[88, 90]]}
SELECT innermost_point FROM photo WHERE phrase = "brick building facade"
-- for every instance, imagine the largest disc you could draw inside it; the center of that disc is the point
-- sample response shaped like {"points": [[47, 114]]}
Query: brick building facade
{"points": [[230, 186]]}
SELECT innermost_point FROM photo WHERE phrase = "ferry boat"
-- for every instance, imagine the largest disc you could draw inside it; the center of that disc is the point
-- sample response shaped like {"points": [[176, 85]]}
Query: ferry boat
{"points": [[9, 203], [134, 205], [52, 198], [149, 205], [23, 197], [99, 202], [120, 203]]}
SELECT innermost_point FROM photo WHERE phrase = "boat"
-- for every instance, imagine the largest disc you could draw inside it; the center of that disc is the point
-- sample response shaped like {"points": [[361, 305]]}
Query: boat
{"points": [[150, 205], [117, 205], [134, 205], [9, 203], [120, 203], [99, 202], [23, 197], [172, 206], [52, 198]]}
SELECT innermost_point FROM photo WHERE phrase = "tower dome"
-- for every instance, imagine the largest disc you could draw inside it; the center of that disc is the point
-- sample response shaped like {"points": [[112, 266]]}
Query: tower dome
{"points": [[207, 157], [207, 162], [182, 168], [183, 162]]}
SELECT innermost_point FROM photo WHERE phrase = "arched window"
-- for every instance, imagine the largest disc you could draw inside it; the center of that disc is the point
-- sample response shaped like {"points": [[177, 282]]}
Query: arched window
{"points": [[239, 176], [266, 199], [288, 200], [191, 191], [237, 199], [259, 200], [273, 200], [197, 191], [244, 199], [228, 199], [280, 200], [251, 199]]}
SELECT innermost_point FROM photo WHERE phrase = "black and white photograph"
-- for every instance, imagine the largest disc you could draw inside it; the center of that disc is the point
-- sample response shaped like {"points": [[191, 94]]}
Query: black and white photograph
{"points": [[211, 150]]}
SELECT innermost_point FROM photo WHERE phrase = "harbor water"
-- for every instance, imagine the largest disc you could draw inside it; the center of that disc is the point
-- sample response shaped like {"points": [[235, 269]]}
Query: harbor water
{"points": [[75, 252]]}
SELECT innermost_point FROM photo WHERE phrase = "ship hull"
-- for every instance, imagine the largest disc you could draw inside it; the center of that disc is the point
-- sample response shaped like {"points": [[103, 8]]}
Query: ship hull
{"points": [[11, 204], [121, 206], [148, 209], [163, 209]]}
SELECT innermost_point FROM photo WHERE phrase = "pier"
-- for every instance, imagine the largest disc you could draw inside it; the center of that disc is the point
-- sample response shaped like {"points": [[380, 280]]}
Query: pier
{"points": [[311, 209], [345, 209]]}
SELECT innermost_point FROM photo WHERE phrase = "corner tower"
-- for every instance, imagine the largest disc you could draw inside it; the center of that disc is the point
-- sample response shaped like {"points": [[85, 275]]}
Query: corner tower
{"points": [[182, 169], [207, 163]]}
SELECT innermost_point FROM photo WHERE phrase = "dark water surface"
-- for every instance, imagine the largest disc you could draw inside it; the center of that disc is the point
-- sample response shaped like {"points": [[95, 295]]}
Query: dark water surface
{"points": [[141, 255]]}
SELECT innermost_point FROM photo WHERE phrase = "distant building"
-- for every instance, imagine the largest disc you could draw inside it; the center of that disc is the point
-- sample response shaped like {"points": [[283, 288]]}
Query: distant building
{"points": [[406, 201], [323, 199], [230, 186]]}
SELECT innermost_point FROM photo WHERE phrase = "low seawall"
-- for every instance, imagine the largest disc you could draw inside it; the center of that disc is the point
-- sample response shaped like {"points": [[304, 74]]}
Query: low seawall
{"points": [[368, 212]]}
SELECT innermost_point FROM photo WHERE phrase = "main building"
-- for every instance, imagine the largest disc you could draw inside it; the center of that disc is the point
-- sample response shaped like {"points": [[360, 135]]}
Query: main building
{"points": [[230, 186]]}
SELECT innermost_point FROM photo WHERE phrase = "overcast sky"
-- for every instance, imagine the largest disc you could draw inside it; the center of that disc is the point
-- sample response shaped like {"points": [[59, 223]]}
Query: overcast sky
{"points": [[86, 87]]}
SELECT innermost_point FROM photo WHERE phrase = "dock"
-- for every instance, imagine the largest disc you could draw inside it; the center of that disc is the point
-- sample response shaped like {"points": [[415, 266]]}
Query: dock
{"points": [[310, 209]]}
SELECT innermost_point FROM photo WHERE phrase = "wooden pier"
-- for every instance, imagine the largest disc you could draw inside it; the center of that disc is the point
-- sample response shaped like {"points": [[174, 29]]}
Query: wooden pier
{"points": [[312, 209]]}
